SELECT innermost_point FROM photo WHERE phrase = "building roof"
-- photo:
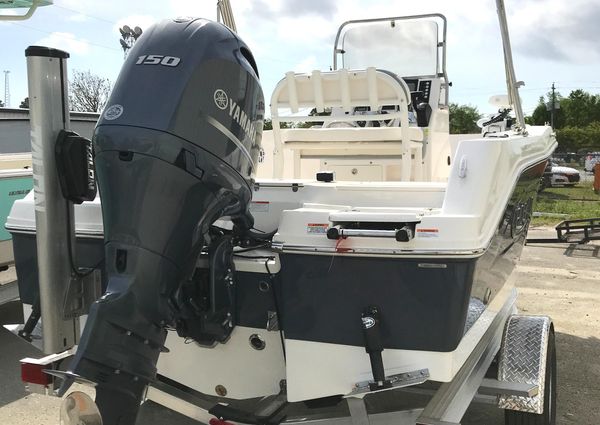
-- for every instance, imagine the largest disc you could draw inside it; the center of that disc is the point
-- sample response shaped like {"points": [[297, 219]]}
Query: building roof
{"points": [[15, 129], [23, 114]]}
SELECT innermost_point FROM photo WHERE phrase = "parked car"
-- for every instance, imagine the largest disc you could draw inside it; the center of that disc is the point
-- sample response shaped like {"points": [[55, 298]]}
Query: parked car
{"points": [[557, 175], [591, 159]]}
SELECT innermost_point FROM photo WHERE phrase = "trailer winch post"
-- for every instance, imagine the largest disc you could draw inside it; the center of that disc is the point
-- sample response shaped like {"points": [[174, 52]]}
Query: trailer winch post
{"points": [[49, 114]]}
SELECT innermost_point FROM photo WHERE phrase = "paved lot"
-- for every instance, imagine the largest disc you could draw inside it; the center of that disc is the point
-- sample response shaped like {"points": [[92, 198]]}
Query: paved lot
{"points": [[563, 282], [554, 279]]}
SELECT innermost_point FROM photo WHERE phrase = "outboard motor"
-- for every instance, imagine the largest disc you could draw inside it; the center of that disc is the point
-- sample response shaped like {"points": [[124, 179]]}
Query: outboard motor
{"points": [[175, 149]]}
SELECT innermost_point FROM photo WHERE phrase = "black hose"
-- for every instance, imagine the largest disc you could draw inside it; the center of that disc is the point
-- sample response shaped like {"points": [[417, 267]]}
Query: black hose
{"points": [[277, 310]]}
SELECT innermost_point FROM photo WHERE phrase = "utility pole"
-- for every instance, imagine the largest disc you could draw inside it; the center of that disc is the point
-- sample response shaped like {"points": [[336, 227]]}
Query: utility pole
{"points": [[553, 107], [6, 90]]}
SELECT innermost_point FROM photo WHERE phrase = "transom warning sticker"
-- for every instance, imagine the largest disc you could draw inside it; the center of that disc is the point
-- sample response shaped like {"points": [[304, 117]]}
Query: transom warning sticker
{"points": [[259, 206], [317, 228], [428, 233]]}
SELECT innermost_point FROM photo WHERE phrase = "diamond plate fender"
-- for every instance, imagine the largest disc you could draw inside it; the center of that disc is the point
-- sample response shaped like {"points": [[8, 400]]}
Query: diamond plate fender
{"points": [[523, 359]]}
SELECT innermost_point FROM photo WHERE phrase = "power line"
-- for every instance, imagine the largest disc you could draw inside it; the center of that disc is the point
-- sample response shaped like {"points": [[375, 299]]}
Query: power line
{"points": [[534, 88], [258, 57], [476, 90], [85, 14], [50, 32], [577, 87]]}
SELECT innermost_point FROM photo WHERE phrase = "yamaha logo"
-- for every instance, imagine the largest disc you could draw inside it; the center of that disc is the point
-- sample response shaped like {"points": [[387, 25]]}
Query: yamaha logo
{"points": [[221, 99], [113, 112], [236, 112], [368, 322]]}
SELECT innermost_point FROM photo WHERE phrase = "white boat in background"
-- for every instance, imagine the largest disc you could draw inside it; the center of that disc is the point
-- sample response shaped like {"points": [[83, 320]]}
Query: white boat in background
{"points": [[15, 183]]}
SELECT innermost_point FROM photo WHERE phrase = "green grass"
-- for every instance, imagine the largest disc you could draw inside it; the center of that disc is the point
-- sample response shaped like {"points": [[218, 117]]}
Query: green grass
{"points": [[578, 202]]}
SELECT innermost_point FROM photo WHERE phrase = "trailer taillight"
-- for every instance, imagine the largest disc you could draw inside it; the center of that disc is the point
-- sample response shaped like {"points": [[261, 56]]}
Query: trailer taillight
{"points": [[216, 421], [34, 374]]}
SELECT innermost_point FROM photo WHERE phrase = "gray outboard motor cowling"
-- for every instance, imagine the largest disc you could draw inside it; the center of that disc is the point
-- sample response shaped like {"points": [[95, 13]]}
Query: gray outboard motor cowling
{"points": [[176, 149]]}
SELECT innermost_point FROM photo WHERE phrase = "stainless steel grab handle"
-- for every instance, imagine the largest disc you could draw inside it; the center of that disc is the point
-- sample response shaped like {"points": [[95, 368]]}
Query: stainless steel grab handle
{"points": [[367, 233], [403, 234]]}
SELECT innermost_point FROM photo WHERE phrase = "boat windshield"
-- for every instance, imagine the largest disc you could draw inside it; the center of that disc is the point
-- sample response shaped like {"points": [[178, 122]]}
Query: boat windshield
{"points": [[408, 47]]}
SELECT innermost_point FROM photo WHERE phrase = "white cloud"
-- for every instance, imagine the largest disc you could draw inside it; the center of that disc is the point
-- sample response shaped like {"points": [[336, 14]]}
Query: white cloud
{"points": [[77, 18], [565, 31], [308, 64], [65, 41], [199, 9], [285, 35], [294, 30]]}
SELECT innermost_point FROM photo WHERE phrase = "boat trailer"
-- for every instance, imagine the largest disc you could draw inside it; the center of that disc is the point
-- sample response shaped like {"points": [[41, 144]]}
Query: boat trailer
{"points": [[579, 232], [509, 368]]}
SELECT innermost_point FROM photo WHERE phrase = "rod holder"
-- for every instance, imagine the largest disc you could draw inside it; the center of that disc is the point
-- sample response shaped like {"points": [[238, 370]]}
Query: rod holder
{"points": [[371, 325]]}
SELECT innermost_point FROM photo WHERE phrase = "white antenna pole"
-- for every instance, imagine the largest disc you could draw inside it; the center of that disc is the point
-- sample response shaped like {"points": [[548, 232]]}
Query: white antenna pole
{"points": [[6, 90], [511, 81], [225, 13]]}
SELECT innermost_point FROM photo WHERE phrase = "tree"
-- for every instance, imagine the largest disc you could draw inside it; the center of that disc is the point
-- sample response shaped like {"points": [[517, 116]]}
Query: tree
{"points": [[540, 115], [89, 92], [463, 119], [576, 119], [25, 103], [577, 138], [1, 104], [581, 109], [268, 124]]}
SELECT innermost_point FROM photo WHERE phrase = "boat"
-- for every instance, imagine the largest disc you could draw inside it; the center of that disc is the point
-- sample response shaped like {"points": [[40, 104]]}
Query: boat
{"points": [[360, 254], [15, 183], [15, 174]]}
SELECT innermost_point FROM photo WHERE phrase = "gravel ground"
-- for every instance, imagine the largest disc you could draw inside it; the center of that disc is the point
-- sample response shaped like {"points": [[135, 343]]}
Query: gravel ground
{"points": [[563, 282], [559, 280]]}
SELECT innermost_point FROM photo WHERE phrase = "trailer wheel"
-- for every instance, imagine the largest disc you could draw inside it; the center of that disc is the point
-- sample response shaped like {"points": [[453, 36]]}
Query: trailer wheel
{"points": [[548, 417]]}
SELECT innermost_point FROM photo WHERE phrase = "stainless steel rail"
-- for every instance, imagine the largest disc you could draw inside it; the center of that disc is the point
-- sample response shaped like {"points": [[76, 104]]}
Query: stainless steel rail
{"points": [[511, 80], [441, 64], [366, 233], [225, 14]]}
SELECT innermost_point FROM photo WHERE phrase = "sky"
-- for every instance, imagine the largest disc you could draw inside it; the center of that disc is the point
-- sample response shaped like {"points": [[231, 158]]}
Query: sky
{"points": [[553, 40]]}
